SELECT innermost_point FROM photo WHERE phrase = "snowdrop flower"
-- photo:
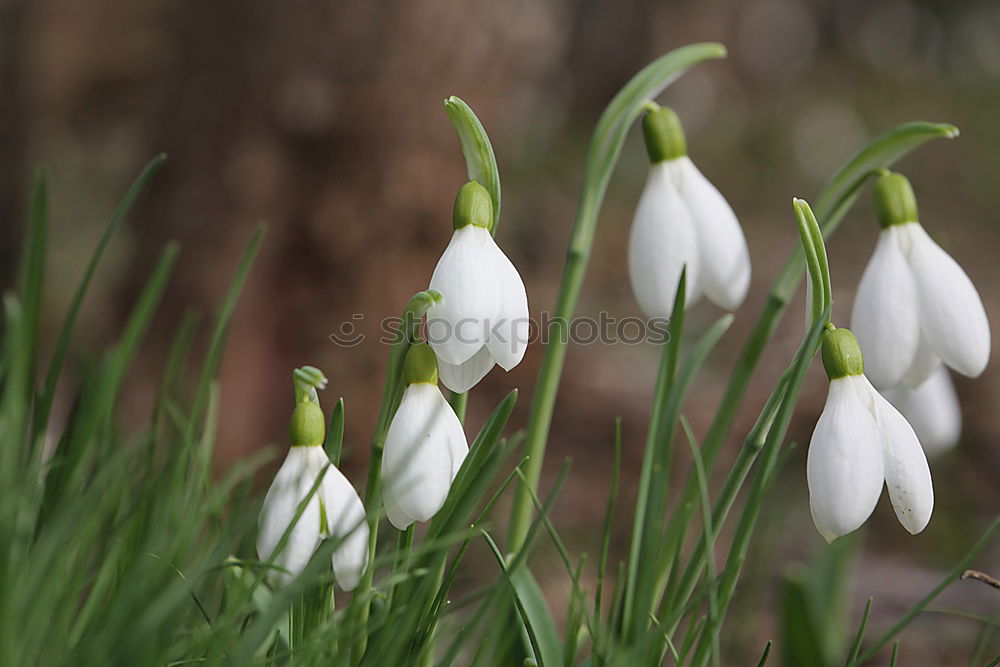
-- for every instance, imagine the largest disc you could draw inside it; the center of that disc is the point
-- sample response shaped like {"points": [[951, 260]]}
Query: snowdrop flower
{"points": [[932, 410], [424, 447], [482, 318], [861, 441], [682, 220], [915, 305], [334, 510]]}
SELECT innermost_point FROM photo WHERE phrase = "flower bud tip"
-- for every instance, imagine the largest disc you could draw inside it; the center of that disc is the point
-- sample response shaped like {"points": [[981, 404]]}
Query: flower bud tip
{"points": [[420, 365], [473, 206], [895, 202], [308, 427], [664, 135], [841, 354]]}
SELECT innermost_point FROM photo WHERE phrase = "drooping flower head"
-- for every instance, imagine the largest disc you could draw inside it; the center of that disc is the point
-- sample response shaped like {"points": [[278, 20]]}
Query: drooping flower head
{"points": [[683, 220], [424, 447], [482, 318], [333, 511], [861, 441], [915, 306]]}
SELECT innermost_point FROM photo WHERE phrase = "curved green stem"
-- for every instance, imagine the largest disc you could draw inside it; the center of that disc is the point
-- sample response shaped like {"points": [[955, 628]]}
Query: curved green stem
{"points": [[605, 147]]}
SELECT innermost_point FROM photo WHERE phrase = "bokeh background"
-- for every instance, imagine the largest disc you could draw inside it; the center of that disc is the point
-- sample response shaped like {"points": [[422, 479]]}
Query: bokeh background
{"points": [[324, 119]]}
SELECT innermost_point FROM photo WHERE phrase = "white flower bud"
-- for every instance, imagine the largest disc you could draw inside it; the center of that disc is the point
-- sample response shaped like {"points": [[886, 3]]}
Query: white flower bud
{"points": [[683, 221], [482, 317]]}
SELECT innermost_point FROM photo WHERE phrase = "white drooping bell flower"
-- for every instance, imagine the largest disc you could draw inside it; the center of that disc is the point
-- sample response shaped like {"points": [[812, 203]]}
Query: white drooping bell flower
{"points": [[915, 306], [482, 318], [861, 441], [424, 447], [932, 409], [683, 220], [334, 511]]}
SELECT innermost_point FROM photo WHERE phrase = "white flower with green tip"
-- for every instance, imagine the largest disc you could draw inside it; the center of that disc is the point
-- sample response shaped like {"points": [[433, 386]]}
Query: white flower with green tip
{"points": [[334, 511], [482, 318], [861, 441], [682, 220], [915, 306], [424, 446]]}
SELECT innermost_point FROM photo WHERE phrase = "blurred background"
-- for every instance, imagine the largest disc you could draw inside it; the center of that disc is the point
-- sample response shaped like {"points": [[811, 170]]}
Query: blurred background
{"points": [[324, 119]]}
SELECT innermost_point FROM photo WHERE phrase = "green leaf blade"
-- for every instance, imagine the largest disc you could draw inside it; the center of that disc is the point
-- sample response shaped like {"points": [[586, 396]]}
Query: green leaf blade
{"points": [[47, 395], [480, 160], [532, 609]]}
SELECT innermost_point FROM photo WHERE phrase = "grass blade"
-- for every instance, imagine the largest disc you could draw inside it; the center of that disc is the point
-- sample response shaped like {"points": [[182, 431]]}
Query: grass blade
{"points": [[98, 400], [213, 359], [918, 608], [632, 616], [44, 405], [335, 434], [860, 636], [649, 582], [608, 517], [764, 656], [532, 609], [32, 278]]}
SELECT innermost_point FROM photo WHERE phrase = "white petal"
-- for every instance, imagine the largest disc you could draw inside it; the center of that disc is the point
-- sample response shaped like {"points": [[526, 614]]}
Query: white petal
{"points": [[509, 333], [886, 317], [932, 409], [661, 243], [465, 376], [345, 517], [465, 276], [396, 516], [418, 461], [924, 362], [907, 475], [458, 445], [291, 485], [952, 313], [725, 260], [844, 464]]}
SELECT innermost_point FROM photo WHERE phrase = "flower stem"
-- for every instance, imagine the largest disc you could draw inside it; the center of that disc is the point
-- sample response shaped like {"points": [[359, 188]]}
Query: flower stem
{"points": [[602, 156], [458, 403], [406, 334]]}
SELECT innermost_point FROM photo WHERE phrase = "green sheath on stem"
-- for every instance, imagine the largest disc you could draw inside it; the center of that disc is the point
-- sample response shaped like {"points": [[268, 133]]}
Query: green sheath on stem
{"points": [[841, 353], [664, 136], [895, 202]]}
